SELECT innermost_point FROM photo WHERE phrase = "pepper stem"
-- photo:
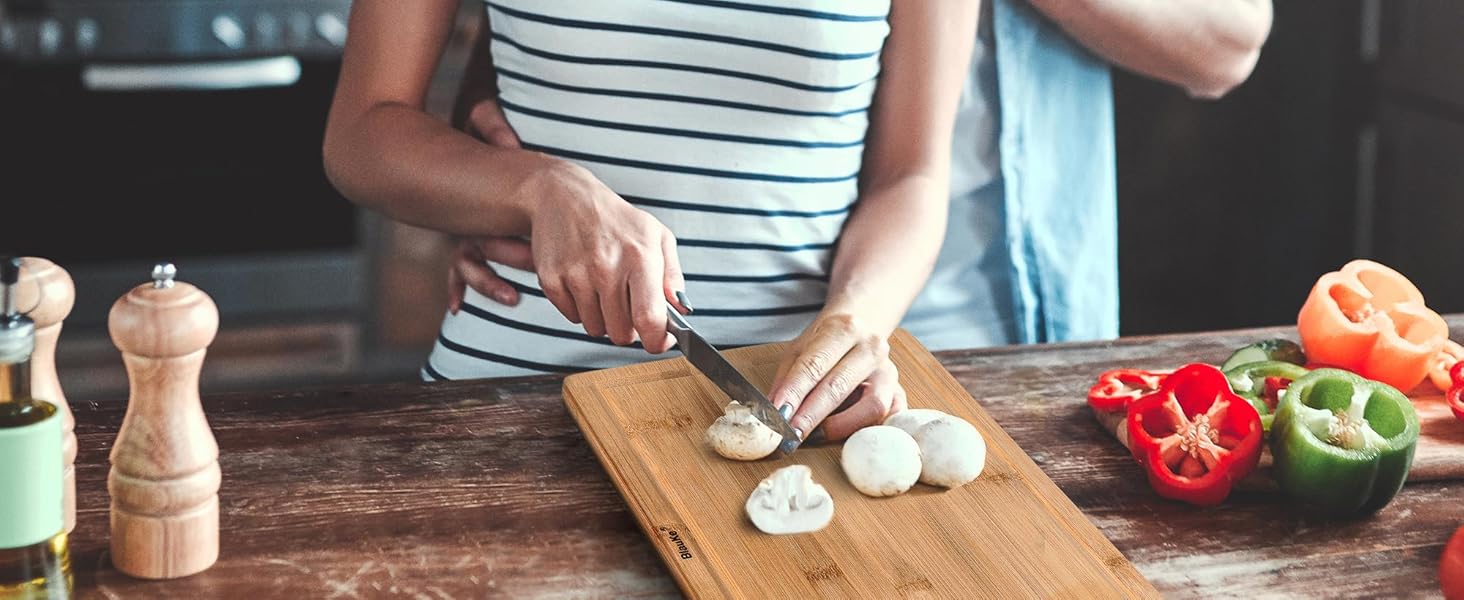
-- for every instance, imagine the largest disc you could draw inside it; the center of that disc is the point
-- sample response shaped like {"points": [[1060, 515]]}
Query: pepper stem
{"points": [[1348, 428], [1194, 448]]}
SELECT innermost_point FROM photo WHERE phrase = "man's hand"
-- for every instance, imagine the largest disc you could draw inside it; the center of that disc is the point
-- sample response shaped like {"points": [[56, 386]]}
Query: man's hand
{"points": [[470, 269], [486, 122], [1206, 47]]}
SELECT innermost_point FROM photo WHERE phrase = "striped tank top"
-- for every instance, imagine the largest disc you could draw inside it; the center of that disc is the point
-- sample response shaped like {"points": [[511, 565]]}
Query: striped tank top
{"points": [[738, 124]]}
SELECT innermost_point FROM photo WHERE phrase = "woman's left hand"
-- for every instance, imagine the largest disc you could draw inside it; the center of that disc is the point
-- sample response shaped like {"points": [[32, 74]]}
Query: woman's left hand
{"points": [[837, 358]]}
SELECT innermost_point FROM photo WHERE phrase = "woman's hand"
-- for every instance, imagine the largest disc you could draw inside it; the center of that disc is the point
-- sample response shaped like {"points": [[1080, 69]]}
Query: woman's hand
{"points": [[837, 362], [605, 264], [890, 241]]}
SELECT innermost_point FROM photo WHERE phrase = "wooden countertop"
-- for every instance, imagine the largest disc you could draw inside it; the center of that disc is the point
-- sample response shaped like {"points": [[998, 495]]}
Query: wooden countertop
{"points": [[486, 489]]}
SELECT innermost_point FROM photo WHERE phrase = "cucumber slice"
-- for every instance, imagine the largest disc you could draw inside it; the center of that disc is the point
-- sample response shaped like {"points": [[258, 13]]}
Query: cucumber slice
{"points": [[1277, 349]]}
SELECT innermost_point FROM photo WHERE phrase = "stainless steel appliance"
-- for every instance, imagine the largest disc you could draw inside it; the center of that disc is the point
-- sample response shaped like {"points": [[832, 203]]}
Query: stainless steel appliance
{"points": [[186, 130]]}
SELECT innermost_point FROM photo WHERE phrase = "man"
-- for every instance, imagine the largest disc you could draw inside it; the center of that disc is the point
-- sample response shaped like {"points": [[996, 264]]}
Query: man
{"points": [[1031, 251]]}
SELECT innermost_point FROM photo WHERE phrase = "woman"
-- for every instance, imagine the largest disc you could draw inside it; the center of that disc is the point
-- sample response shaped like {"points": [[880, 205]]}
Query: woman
{"points": [[674, 151]]}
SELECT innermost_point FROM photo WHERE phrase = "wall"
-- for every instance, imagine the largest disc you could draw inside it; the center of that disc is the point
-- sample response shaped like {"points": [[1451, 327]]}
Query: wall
{"points": [[1229, 210]]}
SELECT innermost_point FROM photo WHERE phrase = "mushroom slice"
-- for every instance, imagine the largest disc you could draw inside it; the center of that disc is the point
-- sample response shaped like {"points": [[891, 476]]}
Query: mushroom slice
{"points": [[738, 435], [952, 452], [912, 419], [789, 501], [881, 460]]}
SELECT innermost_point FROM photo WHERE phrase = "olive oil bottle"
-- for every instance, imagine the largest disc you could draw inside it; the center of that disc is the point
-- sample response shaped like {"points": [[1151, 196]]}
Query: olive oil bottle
{"points": [[34, 562]]}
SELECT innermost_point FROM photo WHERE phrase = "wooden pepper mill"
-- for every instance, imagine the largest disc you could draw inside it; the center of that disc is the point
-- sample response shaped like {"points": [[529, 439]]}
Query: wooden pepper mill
{"points": [[165, 472], [47, 292]]}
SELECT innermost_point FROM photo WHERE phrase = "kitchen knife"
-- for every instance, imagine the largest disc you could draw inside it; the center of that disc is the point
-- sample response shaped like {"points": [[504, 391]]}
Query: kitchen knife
{"points": [[705, 357]]}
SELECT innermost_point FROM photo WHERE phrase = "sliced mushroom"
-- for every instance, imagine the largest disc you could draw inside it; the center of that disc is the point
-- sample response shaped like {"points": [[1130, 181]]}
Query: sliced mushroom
{"points": [[912, 419], [740, 436], [952, 452], [789, 501], [881, 460]]}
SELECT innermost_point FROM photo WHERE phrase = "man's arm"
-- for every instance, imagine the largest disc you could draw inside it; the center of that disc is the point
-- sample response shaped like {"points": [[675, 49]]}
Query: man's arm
{"points": [[475, 110], [1206, 47]]}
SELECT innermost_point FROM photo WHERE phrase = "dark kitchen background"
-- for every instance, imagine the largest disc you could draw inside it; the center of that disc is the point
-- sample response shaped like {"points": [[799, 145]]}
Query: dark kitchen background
{"points": [[190, 130]]}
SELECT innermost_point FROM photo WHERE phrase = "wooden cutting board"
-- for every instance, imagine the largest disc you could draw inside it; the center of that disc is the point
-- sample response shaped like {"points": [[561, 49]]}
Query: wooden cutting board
{"points": [[1009, 534]]}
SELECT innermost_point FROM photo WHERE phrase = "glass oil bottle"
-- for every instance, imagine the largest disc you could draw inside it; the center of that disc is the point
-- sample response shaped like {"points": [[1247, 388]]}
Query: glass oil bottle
{"points": [[34, 563]]}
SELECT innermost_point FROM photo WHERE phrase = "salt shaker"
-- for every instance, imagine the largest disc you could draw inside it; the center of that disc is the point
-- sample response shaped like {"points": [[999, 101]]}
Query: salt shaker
{"points": [[165, 473], [47, 293]]}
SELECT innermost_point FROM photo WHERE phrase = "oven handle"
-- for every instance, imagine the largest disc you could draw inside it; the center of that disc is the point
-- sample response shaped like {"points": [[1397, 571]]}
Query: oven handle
{"points": [[277, 71]]}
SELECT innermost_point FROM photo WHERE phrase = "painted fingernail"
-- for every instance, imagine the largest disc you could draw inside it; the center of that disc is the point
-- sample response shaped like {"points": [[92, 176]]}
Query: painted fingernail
{"points": [[799, 432], [681, 298], [817, 437], [786, 410]]}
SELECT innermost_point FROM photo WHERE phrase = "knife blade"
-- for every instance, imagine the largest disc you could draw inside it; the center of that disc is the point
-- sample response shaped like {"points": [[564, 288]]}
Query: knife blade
{"points": [[705, 357]]}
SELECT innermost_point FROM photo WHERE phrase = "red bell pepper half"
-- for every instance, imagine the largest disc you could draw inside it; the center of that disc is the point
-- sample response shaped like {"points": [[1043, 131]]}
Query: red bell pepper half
{"points": [[1118, 388], [1438, 372], [1194, 436], [1274, 388], [1455, 396]]}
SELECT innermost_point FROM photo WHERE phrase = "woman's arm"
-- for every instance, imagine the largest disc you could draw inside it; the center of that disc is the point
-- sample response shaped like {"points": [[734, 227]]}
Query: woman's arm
{"points": [[385, 152], [890, 242], [1205, 46], [601, 261]]}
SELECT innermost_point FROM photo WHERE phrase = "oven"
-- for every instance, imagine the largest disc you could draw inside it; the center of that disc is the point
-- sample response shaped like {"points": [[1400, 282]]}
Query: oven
{"points": [[133, 131]]}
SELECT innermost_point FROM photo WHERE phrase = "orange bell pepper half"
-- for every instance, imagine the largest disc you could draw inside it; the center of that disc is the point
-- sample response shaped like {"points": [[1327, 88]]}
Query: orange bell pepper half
{"points": [[1369, 319], [1438, 372]]}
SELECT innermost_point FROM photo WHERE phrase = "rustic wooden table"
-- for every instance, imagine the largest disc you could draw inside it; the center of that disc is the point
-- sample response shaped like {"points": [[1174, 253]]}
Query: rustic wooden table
{"points": [[470, 490]]}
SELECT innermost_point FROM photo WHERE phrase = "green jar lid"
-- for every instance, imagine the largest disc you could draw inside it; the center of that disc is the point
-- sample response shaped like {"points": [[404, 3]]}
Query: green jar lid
{"points": [[30, 474]]}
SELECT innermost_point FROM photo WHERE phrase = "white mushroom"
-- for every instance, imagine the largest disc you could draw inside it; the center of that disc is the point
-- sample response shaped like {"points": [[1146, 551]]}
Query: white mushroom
{"points": [[789, 501], [952, 452], [740, 436], [881, 460], [911, 419]]}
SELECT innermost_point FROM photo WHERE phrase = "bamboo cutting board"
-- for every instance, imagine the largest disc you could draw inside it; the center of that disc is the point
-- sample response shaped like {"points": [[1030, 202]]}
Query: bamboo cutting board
{"points": [[1009, 534]]}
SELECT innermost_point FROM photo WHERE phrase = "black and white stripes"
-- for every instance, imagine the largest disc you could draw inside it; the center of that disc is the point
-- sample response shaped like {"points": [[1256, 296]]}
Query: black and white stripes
{"points": [[738, 124]]}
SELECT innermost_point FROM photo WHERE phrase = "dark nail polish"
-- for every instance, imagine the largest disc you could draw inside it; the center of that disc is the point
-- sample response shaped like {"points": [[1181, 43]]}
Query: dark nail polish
{"points": [[817, 437], [681, 298], [786, 410], [799, 432]]}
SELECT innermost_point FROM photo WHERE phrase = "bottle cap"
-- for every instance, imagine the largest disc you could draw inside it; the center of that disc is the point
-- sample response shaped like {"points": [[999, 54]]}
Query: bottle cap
{"points": [[17, 332]]}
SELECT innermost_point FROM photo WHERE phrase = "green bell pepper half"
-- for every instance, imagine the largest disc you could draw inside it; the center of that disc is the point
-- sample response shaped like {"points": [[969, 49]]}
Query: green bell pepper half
{"points": [[1278, 349], [1343, 444], [1249, 381]]}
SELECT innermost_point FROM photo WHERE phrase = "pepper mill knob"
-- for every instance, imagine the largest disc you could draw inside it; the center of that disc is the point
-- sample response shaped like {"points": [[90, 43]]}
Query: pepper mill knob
{"points": [[47, 292], [162, 275], [165, 472]]}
